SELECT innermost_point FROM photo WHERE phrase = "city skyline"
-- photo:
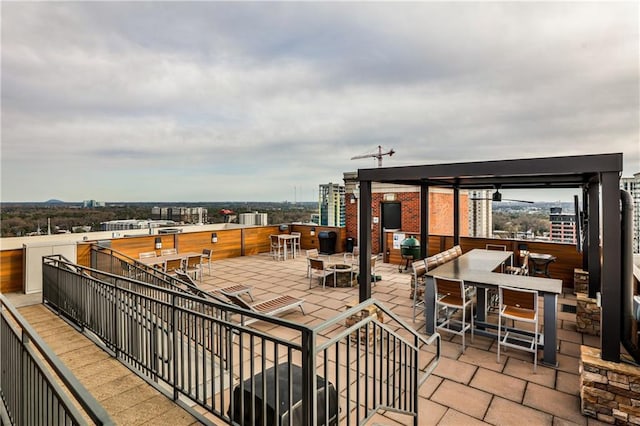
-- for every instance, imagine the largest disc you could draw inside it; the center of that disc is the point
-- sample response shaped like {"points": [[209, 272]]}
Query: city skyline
{"points": [[266, 101]]}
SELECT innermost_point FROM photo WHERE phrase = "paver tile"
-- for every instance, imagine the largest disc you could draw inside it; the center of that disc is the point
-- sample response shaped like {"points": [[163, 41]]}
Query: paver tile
{"points": [[465, 399], [498, 384], [504, 412], [554, 402]]}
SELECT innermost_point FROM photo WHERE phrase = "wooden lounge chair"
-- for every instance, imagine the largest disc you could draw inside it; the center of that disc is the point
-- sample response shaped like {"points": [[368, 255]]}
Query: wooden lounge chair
{"points": [[235, 290], [268, 307]]}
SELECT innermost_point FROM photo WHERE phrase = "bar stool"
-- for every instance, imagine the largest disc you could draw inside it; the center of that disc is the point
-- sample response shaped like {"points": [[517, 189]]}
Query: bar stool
{"points": [[519, 305], [452, 297]]}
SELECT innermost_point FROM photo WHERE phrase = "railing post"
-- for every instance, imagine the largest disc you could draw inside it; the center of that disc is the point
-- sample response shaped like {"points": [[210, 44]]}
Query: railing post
{"points": [[25, 400], [116, 331], [174, 358], [309, 378]]}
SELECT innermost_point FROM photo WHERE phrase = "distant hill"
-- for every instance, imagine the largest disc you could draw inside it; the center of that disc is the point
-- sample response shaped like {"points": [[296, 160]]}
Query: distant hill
{"points": [[54, 201]]}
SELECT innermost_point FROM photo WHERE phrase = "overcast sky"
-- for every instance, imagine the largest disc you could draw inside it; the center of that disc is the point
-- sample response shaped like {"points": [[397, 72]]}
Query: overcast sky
{"points": [[212, 101]]}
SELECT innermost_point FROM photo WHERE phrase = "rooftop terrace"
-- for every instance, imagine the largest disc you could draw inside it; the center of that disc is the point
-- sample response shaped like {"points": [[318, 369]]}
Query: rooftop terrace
{"points": [[469, 388]]}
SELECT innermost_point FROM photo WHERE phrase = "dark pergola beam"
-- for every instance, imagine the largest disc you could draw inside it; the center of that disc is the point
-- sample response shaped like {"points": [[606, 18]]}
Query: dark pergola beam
{"points": [[611, 278], [532, 167]]}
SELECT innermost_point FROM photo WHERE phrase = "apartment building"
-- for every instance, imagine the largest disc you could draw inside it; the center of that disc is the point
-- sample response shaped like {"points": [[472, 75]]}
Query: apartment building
{"points": [[253, 218], [563, 226], [480, 214], [331, 204], [180, 214]]}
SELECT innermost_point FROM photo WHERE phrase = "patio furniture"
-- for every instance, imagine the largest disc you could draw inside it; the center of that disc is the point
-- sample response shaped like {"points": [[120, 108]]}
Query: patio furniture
{"points": [[207, 255], [419, 268], [374, 278], [171, 265], [451, 295], [351, 257], [317, 269], [285, 241], [168, 252], [192, 285], [475, 268], [540, 263], [522, 306], [275, 248], [295, 242], [193, 264], [519, 270], [268, 307], [146, 254]]}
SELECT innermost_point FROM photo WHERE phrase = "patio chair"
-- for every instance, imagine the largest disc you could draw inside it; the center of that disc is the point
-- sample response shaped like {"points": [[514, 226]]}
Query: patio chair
{"points": [[519, 305], [168, 252], [419, 269], [193, 264], [192, 286], [317, 269], [146, 254], [207, 255], [520, 270], [451, 297], [295, 243], [170, 266], [492, 294], [314, 254], [276, 249], [352, 258], [269, 307], [355, 270]]}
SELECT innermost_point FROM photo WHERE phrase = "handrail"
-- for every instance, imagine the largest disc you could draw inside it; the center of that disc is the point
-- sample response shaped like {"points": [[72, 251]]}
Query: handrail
{"points": [[30, 340], [131, 312], [435, 337]]}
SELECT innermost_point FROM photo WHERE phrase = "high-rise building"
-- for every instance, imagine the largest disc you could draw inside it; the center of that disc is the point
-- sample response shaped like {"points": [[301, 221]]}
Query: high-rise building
{"points": [[563, 226], [632, 186], [480, 214], [331, 205]]}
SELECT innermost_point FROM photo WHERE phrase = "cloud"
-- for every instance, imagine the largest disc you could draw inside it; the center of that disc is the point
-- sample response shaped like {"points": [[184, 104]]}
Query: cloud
{"points": [[257, 98]]}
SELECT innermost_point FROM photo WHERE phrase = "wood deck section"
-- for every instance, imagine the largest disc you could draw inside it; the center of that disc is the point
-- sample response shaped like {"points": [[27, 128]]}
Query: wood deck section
{"points": [[127, 398]]}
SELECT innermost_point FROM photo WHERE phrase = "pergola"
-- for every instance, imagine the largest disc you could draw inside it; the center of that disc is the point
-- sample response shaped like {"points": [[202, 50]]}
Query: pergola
{"points": [[597, 175]]}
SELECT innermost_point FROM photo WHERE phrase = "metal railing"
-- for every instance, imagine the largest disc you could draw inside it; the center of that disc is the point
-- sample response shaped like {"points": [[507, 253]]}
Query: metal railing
{"points": [[192, 349], [32, 380]]}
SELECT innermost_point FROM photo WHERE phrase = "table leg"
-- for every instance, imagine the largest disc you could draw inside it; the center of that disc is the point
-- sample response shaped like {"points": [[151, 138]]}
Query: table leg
{"points": [[481, 304], [429, 305], [550, 329]]}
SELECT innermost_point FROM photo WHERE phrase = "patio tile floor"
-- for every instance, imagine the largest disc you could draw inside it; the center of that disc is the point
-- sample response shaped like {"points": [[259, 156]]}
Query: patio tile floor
{"points": [[470, 388]]}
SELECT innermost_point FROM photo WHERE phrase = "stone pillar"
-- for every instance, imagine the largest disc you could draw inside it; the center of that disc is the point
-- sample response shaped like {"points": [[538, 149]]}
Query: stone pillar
{"points": [[609, 391]]}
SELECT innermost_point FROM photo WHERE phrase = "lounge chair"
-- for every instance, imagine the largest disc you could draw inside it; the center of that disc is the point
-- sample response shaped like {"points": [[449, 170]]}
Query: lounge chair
{"points": [[268, 307], [192, 286]]}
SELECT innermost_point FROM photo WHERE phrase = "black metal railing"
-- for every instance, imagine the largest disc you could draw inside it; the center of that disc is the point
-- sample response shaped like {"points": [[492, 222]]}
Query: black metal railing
{"points": [[36, 388], [195, 348]]}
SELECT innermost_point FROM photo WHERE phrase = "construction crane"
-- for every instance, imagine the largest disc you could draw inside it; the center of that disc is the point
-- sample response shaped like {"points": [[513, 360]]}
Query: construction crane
{"points": [[377, 155]]}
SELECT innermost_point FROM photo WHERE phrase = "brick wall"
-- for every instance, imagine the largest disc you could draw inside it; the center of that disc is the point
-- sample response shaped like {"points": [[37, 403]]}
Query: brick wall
{"points": [[440, 214]]}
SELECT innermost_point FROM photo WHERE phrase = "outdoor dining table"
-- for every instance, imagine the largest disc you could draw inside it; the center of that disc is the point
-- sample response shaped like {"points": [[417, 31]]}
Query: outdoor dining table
{"points": [[475, 268], [288, 239]]}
